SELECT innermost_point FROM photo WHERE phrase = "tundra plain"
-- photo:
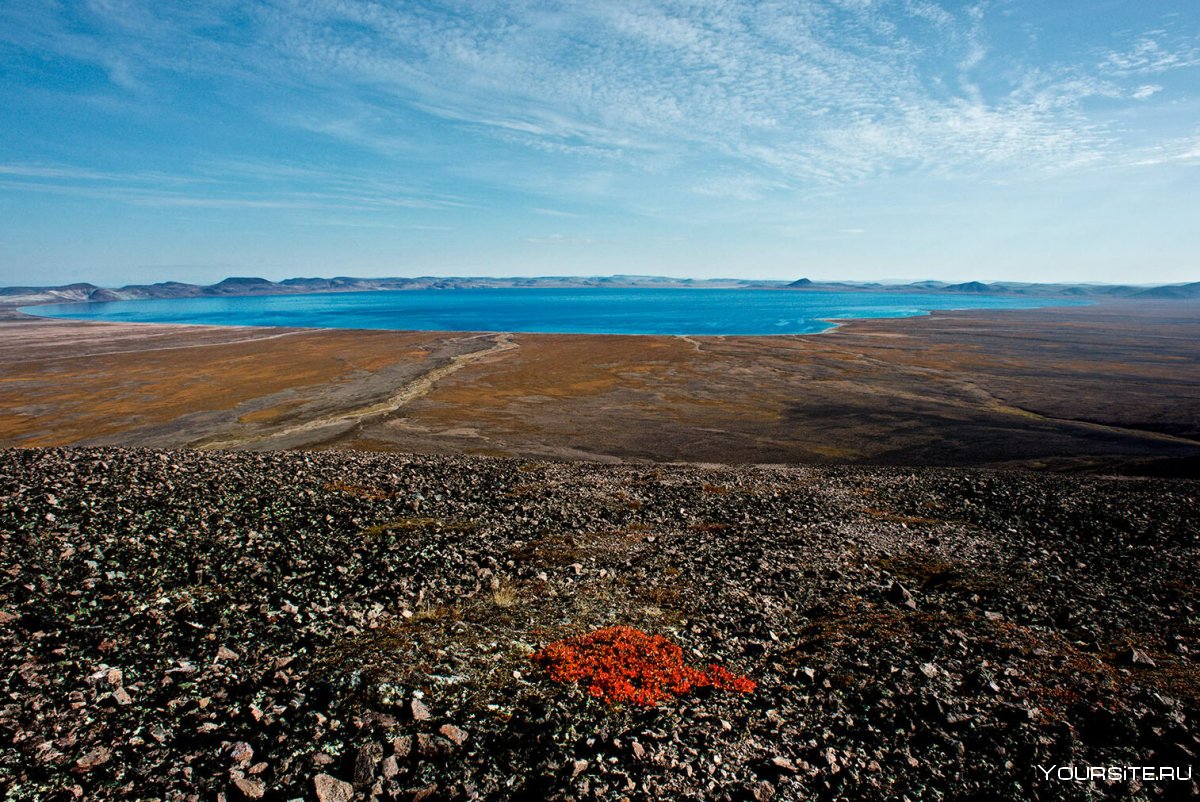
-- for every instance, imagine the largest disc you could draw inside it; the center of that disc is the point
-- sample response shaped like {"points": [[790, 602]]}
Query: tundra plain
{"points": [[1113, 387]]}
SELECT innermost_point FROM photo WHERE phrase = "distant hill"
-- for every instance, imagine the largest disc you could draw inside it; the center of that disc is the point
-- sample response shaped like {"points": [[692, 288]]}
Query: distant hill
{"points": [[80, 290], [251, 285], [1174, 291], [970, 286], [1098, 291], [242, 286]]}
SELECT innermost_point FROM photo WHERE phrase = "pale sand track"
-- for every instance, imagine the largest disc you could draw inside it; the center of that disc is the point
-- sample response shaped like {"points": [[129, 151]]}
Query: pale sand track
{"points": [[407, 393]]}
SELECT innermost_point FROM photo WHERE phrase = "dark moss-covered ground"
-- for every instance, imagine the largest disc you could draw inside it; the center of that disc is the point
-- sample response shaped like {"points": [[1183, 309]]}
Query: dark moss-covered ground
{"points": [[337, 625]]}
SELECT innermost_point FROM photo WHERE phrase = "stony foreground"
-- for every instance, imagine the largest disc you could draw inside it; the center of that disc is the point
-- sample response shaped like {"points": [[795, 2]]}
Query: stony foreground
{"points": [[186, 625]]}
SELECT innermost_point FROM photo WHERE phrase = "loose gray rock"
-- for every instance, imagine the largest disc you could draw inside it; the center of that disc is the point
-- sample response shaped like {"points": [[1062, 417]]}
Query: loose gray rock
{"points": [[453, 734], [331, 789], [901, 595], [419, 711], [365, 762], [249, 789], [1135, 657]]}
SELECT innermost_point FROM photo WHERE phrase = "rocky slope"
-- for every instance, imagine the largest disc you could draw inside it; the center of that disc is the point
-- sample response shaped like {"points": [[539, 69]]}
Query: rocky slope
{"points": [[337, 625]]}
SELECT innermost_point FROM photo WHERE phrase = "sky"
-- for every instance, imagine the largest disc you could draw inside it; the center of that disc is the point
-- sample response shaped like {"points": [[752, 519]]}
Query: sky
{"points": [[152, 140]]}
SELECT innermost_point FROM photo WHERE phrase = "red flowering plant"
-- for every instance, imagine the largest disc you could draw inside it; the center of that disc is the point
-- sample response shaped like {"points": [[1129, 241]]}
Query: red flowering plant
{"points": [[622, 664]]}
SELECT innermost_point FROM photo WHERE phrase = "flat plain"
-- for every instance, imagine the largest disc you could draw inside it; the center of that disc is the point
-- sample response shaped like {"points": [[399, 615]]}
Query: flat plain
{"points": [[1111, 387]]}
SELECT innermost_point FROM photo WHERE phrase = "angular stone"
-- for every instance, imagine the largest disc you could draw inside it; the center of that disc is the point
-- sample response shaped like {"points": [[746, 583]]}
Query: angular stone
{"points": [[93, 758], [782, 763], [427, 793], [365, 762], [452, 733], [241, 752], [419, 711], [898, 594], [331, 789], [250, 789], [1135, 657]]}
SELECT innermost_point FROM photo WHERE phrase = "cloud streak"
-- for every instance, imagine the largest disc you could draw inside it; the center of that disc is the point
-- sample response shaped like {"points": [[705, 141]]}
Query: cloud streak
{"points": [[228, 185], [1153, 54]]}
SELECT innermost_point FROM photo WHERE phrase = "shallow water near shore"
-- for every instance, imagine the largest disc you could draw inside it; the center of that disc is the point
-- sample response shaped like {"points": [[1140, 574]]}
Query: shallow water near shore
{"points": [[560, 311]]}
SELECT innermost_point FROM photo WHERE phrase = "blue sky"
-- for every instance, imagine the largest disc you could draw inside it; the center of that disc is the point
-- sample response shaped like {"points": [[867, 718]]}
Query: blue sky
{"points": [[146, 140]]}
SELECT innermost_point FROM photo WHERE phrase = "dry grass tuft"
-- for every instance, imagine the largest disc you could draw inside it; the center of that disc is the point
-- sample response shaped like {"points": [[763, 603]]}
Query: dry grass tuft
{"points": [[505, 596]]}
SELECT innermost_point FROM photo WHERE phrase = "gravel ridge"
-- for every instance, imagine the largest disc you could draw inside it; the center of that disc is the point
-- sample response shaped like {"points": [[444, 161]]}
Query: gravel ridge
{"points": [[333, 625]]}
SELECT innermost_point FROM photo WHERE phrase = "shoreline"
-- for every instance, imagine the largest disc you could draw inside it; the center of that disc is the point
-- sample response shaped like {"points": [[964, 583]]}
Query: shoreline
{"points": [[24, 311], [834, 324]]}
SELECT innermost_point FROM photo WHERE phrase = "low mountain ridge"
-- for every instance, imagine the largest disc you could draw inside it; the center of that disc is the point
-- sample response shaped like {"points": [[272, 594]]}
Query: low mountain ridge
{"points": [[254, 285]]}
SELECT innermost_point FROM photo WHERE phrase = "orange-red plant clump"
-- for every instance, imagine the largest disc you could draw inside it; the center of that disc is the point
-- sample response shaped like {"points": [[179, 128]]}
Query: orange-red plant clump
{"points": [[622, 664]]}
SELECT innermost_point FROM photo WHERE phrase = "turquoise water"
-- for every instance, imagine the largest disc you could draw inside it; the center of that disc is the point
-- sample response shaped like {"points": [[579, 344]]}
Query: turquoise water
{"points": [[575, 311]]}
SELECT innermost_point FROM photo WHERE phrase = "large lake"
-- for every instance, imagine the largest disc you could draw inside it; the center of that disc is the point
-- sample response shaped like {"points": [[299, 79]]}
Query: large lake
{"points": [[578, 311]]}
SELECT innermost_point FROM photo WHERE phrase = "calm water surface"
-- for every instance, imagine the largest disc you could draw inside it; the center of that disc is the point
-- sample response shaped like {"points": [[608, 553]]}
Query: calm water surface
{"points": [[566, 311]]}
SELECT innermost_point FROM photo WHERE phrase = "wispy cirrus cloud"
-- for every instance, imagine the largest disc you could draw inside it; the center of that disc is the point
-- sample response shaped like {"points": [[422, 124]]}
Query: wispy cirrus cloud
{"points": [[1176, 151], [559, 239], [1153, 53], [808, 91], [225, 185]]}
